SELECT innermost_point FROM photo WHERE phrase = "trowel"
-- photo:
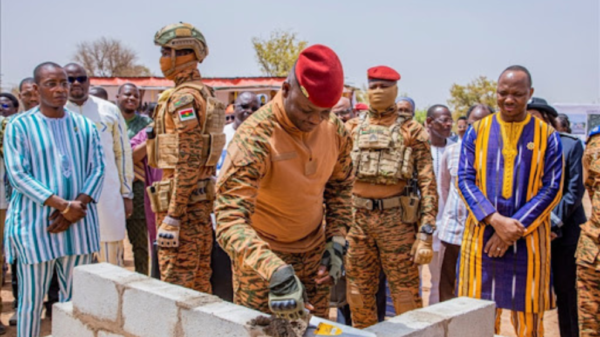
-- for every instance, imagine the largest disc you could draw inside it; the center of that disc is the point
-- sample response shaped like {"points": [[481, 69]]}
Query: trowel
{"points": [[318, 327]]}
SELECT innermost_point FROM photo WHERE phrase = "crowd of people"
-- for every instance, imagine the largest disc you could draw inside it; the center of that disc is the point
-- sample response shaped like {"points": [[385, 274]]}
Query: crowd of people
{"points": [[301, 200]]}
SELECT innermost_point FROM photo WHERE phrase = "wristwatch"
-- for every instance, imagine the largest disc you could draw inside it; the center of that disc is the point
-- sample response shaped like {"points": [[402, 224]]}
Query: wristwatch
{"points": [[427, 229]]}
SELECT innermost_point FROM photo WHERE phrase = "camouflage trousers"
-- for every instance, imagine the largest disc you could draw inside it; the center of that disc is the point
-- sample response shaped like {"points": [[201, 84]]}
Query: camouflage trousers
{"points": [[189, 264], [252, 291], [378, 239], [588, 288]]}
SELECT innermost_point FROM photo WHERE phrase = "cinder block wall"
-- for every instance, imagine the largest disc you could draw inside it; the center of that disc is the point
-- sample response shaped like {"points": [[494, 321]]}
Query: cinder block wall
{"points": [[109, 301]]}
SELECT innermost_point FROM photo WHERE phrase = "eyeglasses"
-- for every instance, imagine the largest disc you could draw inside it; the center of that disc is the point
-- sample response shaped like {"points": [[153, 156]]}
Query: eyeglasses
{"points": [[54, 84], [247, 107], [345, 112], [80, 79], [445, 121]]}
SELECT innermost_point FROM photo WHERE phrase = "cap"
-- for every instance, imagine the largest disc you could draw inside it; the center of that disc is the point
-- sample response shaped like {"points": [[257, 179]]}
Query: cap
{"points": [[383, 73], [320, 75]]}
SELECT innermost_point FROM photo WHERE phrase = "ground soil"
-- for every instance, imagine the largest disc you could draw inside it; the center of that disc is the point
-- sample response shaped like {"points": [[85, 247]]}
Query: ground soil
{"points": [[278, 327]]}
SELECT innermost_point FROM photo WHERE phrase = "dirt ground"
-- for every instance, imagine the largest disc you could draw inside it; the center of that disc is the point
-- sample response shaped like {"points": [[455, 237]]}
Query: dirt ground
{"points": [[550, 318]]}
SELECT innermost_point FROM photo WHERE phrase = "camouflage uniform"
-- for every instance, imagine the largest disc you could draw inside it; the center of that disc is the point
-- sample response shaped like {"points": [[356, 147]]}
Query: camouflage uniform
{"points": [[189, 139], [379, 238], [588, 259], [253, 159]]}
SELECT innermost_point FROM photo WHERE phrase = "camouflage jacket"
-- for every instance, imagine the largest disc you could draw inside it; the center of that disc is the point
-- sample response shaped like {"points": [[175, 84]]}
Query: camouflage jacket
{"points": [[181, 105], [416, 137], [589, 241], [273, 184]]}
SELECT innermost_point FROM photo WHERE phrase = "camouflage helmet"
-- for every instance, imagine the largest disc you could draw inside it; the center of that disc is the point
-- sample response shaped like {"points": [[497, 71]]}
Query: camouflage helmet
{"points": [[182, 36]]}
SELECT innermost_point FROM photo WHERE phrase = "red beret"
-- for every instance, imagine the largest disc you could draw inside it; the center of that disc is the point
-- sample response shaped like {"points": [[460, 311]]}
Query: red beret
{"points": [[361, 107], [320, 75], [383, 73]]}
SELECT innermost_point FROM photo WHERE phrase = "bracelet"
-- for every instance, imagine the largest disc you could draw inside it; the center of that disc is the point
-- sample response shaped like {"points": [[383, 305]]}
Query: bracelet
{"points": [[67, 209]]}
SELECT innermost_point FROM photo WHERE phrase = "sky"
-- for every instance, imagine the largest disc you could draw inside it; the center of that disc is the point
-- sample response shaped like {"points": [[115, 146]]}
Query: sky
{"points": [[432, 44]]}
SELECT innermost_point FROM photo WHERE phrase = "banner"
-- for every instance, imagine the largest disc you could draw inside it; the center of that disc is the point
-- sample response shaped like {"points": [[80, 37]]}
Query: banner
{"points": [[583, 117]]}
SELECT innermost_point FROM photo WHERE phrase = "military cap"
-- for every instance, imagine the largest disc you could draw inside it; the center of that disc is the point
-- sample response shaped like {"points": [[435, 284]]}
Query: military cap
{"points": [[382, 73], [320, 75], [361, 107]]}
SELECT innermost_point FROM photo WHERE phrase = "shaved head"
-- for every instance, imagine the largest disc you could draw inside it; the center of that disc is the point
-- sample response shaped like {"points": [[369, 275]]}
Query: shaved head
{"points": [[343, 109], [520, 69], [245, 105], [37, 72]]}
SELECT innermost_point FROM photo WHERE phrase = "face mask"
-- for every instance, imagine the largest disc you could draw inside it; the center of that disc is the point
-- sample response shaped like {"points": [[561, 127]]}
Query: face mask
{"points": [[381, 99], [181, 63]]}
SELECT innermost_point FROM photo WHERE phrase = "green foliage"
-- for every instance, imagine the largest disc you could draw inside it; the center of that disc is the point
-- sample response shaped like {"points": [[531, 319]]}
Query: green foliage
{"points": [[481, 90], [421, 115], [276, 55], [361, 95]]}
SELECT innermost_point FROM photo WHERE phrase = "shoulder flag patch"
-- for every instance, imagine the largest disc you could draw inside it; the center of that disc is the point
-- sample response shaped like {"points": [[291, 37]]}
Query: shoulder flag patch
{"points": [[187, 114]]}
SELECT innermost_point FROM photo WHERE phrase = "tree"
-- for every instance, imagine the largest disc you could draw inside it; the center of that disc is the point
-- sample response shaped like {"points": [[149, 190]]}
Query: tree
{"points": [[481, 90], [421, 115], [276, 55], [109, 57]]}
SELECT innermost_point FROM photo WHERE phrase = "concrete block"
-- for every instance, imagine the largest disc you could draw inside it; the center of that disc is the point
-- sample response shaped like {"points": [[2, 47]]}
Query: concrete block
{"points": [[65, 324], [466, 317], [108, 334], [150, 308], [461, 317], [218, 320], [415, 323], [96, 289]]}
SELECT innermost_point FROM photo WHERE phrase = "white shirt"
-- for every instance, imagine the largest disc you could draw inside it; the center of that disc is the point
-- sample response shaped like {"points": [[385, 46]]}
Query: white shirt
{"points": [[454, 215], [118, 177], [229, 131], [437, 153]]}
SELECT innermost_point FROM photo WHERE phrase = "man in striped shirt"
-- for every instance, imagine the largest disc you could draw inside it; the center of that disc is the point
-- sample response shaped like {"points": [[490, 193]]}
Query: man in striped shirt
{"points": [[116, 201], [451, 225], [510, 177], [55, 164]]}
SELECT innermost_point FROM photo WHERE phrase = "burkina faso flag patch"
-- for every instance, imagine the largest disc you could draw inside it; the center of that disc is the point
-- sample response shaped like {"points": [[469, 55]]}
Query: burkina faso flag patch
{"points": [[187, 114]]}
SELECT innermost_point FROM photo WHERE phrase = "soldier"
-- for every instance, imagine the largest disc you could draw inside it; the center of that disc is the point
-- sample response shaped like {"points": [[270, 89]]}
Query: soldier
{"points": [[185, 142], [388, 149], [588, 259], [283, 163]]}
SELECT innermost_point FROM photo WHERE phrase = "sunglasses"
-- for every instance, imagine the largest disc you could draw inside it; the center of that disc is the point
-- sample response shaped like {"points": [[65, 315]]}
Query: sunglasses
{"points": [[80, 79], [6, 106], [247, 106], [229, 118]]}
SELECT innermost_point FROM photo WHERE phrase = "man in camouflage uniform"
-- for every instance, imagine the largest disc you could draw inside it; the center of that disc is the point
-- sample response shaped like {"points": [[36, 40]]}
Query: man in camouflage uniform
{"points": [[588, 259], [283, 163], [186, 144], [389, 150]]}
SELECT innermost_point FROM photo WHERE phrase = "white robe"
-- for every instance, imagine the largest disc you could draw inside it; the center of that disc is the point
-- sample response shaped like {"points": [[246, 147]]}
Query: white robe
{"points": [[118, 178]]}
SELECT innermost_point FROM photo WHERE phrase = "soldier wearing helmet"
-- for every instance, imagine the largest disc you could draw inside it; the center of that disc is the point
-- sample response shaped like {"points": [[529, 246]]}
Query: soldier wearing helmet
{"points": [[185, 142]]}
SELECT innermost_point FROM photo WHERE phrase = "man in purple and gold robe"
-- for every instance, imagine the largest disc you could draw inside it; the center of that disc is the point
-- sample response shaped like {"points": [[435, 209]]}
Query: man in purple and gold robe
{"points": [[510, 177]]}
